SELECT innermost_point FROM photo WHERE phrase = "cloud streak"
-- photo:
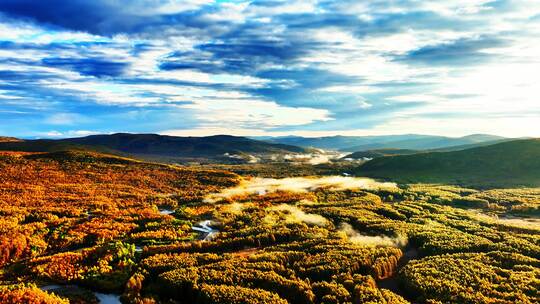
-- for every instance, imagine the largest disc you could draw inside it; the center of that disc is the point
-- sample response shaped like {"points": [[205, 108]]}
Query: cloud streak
{"points": [[295, 215], [261, 186], [355, 237]]}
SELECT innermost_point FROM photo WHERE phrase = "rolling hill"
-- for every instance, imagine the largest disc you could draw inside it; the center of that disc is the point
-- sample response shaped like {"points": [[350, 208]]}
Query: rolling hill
{"points": [[9, 139], [364, 143], [153, 146], [513, 163]]}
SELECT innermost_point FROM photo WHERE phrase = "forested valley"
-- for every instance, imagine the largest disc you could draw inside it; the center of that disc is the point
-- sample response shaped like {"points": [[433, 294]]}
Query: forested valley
{"points": [[84, 227]]}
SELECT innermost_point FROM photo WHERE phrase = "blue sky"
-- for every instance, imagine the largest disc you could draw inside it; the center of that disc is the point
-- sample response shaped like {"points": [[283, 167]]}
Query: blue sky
{"points": [[312, 68]]}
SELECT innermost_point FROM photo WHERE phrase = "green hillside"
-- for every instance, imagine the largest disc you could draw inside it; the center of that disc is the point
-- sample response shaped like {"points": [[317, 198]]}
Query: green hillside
{"points": [[380, 153], [393, 152], [515, 163]]}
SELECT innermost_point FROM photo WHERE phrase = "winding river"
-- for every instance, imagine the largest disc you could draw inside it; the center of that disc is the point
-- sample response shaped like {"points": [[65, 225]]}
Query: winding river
{"points": [[392, 283], [103, 298], [207, 232], [166, 211]]}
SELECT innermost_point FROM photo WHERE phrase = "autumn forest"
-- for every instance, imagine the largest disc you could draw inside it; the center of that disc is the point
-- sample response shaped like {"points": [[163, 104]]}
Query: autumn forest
{"points": [[84, 227]]}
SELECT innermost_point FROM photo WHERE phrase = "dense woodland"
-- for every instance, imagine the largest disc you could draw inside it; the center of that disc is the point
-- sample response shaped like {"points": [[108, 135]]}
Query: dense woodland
{"points": [[91, 222]]}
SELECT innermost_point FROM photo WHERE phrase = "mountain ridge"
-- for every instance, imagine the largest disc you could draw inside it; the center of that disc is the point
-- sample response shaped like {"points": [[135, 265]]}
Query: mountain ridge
{"points": [[151, 146]]}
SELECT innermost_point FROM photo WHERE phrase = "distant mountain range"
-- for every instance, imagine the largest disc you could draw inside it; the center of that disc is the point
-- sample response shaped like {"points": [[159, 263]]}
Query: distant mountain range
{"points": [[157, 147], [364, 143], [513, 163], [476, 160]]}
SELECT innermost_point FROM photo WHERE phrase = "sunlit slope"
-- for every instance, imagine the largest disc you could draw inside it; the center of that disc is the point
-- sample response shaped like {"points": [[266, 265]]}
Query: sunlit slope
{"points": [[8, 139], [514, 163]]}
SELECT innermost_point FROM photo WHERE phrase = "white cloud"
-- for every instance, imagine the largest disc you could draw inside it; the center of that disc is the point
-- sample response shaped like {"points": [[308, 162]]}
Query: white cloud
{"points": [[417, 98], [286, 7], [232, 12], [364, 104], [65, 119], [71, 133], [157, 7], [253, 112], [101, 92], [355, 89], [510, 125], [22, 32], [447, 7]]}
